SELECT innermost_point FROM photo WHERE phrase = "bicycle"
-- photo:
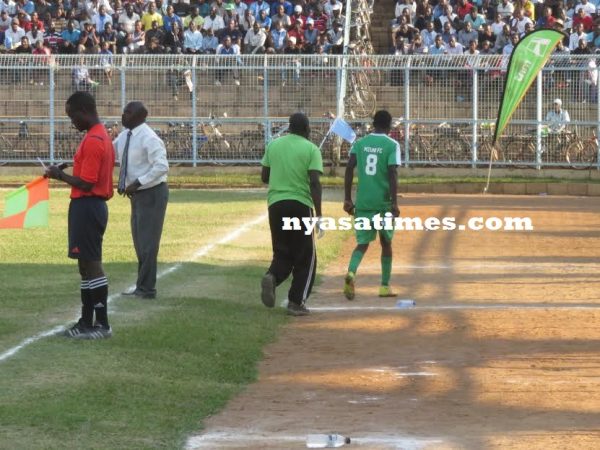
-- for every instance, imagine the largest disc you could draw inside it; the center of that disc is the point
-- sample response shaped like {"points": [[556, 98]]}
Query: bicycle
{"points": [[362, 102], [582, 153]]}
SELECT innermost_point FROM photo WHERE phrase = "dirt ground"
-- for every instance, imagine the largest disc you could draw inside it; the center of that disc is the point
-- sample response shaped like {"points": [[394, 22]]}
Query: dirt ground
{"points": [[501, 351]]}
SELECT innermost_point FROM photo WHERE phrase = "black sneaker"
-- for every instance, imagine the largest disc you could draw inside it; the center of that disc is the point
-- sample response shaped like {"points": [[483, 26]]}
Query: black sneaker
{"points": [[78, 331], [268, 290], [294, 309]]}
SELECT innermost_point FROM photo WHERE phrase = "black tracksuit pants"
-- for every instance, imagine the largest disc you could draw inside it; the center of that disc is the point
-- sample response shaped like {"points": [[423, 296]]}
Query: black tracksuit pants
{"points": [[294, 252]]}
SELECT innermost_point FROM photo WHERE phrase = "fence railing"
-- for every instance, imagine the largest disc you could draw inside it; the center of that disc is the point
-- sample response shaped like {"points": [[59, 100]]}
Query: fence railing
{"points": [[223, 110]]}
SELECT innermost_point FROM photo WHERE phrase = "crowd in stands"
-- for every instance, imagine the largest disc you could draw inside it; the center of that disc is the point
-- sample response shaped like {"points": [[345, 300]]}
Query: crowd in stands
{"points": [[491, 26], [111, 27]]}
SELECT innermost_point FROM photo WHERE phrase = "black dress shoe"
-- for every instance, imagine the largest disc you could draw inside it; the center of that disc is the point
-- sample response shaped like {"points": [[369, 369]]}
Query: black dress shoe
{"points": [[130, 293]]}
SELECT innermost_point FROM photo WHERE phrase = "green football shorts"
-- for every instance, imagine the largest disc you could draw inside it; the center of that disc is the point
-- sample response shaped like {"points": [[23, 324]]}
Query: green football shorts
{"points": [[367, 236]]}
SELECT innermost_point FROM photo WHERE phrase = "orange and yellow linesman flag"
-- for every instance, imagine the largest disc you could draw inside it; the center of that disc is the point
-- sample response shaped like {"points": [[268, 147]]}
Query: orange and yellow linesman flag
{"points": [[27, 207]]}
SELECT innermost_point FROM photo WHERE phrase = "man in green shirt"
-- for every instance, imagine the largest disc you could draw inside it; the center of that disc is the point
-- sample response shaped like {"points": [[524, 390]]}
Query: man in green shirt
{"points": [[376, 158], [292, 166]]}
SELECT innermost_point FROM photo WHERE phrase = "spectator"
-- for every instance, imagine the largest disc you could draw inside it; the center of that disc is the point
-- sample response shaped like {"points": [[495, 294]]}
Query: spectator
{"points": [[447, 33], [320, 19], [210, 43], [502, 40], [486, 35], [485, 48], [329, 7], [150, 16], [428, 35], [192, 39], [281, 16], [254, 41], [454, 48], [589, 8], [335, 39], [279, 36], [128, 19], [232, 30], [291, 48], [529, 10], [5, 21], [547, 20], [101, 18], [463, 8], [577, 36], [203, 8], [518, 22], [422, 19], [170, 18], [297, 16], [258, 6], [439, 11], [585, 20], [498, 25], [557, 118], [247, 22], [24, 47], [476, 20], [448, 18], [42, 60], [508, 48], [311, 36], [89, 41], [228, 51], [181, 7], [193, 17], [288, 8], [34, 20], [239, 10], [505, 10], [134, 42], [34, 36], [467, 34], [13, 36], [106, 60], [214, 21], [52, 38], [154, 33], [173, 40], [109, 36], [219, 7], [298, 34], [81, 78], [336, 17], [404, 32], [229, 13], [417, 47], [70, 39], [264, 20]]}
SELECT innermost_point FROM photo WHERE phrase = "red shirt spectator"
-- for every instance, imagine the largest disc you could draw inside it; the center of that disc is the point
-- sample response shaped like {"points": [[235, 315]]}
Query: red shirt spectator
{"points": [[26, 24], [587, 21], [464, 8], [94, 162]]}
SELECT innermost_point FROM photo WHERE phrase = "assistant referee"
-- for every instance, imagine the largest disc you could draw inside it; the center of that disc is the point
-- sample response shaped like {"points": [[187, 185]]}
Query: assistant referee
{"points": [[91, 186], [292, 166]]}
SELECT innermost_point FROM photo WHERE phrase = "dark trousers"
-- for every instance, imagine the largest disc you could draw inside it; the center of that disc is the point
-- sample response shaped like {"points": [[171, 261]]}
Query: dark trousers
{"points": [[148, 207], [293, 251]]}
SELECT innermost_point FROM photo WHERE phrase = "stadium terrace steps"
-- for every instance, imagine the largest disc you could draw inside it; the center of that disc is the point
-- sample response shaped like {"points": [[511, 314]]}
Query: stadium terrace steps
{"points": [[383, 14]]}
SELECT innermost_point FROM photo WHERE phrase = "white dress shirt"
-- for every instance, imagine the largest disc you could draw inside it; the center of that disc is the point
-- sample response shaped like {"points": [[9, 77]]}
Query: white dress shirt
{"points": [[147, 156]]}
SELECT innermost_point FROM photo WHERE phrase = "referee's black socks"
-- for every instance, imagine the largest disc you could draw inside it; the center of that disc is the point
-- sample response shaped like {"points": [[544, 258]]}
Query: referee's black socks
{"points": [[98, 296]]}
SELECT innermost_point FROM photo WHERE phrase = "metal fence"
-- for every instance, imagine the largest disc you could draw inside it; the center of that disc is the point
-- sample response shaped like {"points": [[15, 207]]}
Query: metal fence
{"points": [[223, 110]]}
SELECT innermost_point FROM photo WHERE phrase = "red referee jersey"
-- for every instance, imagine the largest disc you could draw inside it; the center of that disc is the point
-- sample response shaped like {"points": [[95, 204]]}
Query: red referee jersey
{"points": [[94, 162]]}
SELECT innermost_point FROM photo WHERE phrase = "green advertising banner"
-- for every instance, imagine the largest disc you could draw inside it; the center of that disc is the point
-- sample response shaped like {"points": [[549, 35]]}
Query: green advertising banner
{"points": [[526, 61]]}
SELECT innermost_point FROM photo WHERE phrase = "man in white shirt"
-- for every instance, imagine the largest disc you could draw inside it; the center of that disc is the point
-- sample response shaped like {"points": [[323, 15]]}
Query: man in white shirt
{"points": [[558, 118], [576, 36], [588, 7], [254, 41], [505, 10], [128, 19], [213, 21], [12, 36], [143, 178]]}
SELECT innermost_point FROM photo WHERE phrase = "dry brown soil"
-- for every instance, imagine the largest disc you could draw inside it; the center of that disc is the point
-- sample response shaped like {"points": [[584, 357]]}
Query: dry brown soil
{"points": [[502, 350]]}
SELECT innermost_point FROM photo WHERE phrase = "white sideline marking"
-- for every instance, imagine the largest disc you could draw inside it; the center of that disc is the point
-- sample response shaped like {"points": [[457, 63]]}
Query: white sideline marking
{"points": [[446, 307], [235, 438], [202, 251]]}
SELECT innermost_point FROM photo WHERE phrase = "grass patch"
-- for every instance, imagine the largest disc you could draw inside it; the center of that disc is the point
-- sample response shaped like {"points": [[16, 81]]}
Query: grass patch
{"points": [[171, 362]]}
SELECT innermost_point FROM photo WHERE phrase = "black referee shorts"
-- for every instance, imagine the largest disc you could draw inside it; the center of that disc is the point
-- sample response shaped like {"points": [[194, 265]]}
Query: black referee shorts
{"points": [[88, 217]]}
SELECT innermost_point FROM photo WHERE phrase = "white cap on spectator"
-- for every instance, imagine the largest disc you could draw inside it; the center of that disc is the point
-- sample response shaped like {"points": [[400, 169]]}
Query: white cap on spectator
{"points": [[292, 39], [298, 8], [310, 21], [336, 7], [558, 102]]}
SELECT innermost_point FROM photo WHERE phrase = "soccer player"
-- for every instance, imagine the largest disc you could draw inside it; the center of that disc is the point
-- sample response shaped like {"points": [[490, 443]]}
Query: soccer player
{"points": [[91, 186], [376, 158]]}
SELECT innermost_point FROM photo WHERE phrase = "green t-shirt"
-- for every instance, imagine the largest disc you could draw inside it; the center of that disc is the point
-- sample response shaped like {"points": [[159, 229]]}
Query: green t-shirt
{"points": [[374, 153], [290, 158]]}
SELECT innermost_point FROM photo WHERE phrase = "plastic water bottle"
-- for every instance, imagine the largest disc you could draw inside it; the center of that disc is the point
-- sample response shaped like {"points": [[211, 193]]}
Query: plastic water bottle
{"points": [[405, 303], [326, 440]]}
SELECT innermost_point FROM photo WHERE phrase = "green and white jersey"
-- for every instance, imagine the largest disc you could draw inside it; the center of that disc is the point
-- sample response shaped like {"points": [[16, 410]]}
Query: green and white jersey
{"points": [[374, 154]]}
